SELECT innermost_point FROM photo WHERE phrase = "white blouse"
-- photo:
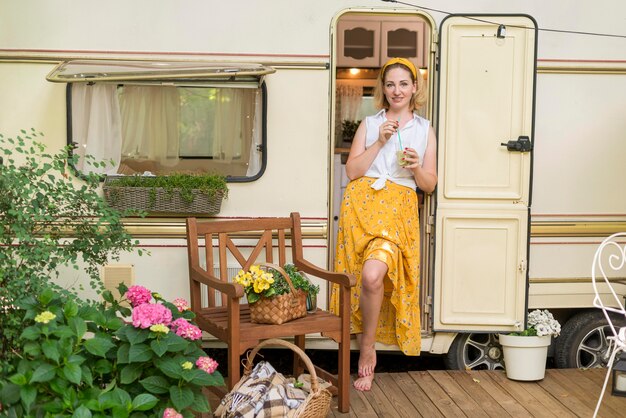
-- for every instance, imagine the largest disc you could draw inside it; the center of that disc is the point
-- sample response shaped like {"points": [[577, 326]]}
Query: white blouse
{"points": [[414, 134]]}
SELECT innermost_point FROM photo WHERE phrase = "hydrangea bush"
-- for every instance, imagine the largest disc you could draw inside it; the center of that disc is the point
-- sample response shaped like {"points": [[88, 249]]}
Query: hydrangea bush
{"points": [[103, 359], [540, 323]]}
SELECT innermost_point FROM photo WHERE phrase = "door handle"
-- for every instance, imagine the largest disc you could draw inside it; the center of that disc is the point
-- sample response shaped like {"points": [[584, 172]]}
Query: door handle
{"points": [[521, 144]]}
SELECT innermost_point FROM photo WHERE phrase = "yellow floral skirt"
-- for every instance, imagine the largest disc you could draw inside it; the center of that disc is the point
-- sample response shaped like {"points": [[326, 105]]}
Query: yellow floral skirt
{"points": [[382, 225]]}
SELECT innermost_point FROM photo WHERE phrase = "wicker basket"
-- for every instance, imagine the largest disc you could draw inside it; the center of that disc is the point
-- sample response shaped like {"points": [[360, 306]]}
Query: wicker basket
{"points": [[282, 308], [317, 404], [157, 199]]}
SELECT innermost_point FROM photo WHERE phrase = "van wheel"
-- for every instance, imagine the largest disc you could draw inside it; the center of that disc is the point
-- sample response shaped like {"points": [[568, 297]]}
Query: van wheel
{"points": [[475, 352], [583, 341]]}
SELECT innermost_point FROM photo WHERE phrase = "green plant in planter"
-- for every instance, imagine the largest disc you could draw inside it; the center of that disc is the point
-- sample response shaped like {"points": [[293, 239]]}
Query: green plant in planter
{"points": [[184, 184], [48, 220], [102, 359]]}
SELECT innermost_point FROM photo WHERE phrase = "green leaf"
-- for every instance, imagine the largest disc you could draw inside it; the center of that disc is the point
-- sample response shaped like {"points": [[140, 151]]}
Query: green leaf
{"points": [[202, 378], [253, 297], [18, 379], [123, 354], [32, 348], [130, 373], [27, 395], [201, 403], [87, 375], [170, 367], [10, 393], [70, 309], [63, 332], [78, 326], [144, 402], [175, 342], [114, 324], [31, 333], [49, 348], [103, 366], [137, 335], [72, 372], [159, 347], [108, 296], [46, 296], [155, 384], [181, 397], [82, 412], [139, 353], [98, 346], [43, 373]]}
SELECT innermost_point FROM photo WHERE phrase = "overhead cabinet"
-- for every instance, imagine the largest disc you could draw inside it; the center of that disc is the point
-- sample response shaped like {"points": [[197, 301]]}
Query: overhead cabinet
{"points": [[369, 43]]}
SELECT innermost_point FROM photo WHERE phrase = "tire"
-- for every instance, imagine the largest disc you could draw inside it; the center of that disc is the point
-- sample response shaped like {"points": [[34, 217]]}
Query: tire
{"points": [[475, 352], [583, 341]]}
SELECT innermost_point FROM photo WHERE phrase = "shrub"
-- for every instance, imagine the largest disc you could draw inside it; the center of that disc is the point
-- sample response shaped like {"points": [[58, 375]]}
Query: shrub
{"points": [[102, 359]]}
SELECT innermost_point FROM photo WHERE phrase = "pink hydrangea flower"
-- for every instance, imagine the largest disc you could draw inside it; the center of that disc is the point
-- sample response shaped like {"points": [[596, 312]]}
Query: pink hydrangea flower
{"points": [[171, 413], [181, 304], [207, 364], [186, 330], [148, 314], [138, 295]]}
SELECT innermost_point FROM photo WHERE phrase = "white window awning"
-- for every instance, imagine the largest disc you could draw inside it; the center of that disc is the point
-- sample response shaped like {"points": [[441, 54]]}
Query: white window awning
{"points": [[76, 71]]}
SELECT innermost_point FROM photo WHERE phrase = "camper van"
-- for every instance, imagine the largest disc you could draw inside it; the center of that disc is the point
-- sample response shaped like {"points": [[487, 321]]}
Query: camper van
{"points": [[527, 99]]}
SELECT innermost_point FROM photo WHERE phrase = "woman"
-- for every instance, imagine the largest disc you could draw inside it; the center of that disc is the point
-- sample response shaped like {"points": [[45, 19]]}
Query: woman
{"points": [[378, 238]]}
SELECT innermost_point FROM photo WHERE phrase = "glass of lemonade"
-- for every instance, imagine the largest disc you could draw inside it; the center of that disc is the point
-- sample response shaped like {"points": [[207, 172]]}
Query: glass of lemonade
{"points": [[400, 156]]}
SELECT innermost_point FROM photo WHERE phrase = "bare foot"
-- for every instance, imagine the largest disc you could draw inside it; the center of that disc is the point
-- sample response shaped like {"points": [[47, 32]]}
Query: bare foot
{"points": [[367, 361], [364, 383]]}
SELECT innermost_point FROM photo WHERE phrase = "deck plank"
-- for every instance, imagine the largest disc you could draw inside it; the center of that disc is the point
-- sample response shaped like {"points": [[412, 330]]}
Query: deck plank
{"points": [[480, 393], [416, 396], [396, 396], [380, 402], [465, 402], [563, 395], [508, 402], [519, 390], [436, 394], [576, 380]]}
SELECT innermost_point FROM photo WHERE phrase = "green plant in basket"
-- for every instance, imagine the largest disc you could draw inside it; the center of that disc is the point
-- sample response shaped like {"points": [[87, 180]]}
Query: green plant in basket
{"points": [[102, 359], [259, 283]]}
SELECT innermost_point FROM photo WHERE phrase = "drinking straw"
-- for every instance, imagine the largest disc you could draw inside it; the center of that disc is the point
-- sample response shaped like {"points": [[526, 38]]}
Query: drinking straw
{"points": [[399, 139]]}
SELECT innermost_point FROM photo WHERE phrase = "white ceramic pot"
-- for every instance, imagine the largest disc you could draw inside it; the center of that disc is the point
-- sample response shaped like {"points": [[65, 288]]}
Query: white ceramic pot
{"points": [[525, 357]]}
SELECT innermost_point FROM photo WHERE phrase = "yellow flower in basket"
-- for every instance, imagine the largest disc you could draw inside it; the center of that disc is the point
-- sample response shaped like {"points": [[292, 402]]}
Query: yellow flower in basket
{"points": [[256, 283]]}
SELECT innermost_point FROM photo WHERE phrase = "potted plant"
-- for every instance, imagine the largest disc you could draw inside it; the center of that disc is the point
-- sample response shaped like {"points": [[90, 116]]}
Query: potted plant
{"points": [[179, 193], [348, 129], [277, 294], [103, 359], [525, 352]]}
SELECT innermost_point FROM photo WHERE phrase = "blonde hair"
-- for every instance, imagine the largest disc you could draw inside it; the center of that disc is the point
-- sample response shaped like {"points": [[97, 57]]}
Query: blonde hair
{"points": [[419, 97]]}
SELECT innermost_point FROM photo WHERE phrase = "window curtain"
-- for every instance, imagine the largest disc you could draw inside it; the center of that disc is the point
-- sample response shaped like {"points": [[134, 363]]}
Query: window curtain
{"points": [[234, 120], [348, 99], [96, 126], [256, 156], [150, 116]]}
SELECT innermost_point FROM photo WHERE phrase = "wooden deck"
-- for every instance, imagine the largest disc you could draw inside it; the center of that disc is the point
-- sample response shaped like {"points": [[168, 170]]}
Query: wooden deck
{"points": [[453, 393], [440, 393]]}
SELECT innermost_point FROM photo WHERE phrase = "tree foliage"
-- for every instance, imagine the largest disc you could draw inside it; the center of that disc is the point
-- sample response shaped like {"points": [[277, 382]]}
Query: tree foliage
{"points": [[48, 220]]}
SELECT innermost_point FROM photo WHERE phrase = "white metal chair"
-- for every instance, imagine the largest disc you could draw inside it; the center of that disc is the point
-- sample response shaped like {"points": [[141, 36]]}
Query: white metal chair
{"points": [[610, 257]]}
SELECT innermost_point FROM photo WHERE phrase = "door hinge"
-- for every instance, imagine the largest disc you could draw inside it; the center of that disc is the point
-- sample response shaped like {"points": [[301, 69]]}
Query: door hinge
{"points": [[522, 266], [428, 305], [429, 224]]}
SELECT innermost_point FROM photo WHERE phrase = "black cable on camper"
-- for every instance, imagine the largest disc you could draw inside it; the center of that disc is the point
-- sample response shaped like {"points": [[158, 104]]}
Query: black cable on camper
{"points": [[430, 9]]}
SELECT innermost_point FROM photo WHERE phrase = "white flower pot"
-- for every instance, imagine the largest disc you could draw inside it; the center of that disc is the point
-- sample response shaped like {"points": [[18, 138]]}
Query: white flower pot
{"points": [[525, 357]]}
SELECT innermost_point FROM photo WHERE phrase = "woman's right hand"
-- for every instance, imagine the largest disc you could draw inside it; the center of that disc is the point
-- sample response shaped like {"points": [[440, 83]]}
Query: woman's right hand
{"points": [[388, 128]]}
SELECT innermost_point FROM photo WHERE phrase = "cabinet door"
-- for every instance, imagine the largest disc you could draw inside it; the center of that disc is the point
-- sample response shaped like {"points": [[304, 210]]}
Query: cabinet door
{"points": [[403, 40], [358, 43]]}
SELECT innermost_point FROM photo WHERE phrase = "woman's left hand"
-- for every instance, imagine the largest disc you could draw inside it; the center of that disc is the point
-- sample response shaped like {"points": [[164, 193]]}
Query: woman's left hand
{"points": [[412, 157]]}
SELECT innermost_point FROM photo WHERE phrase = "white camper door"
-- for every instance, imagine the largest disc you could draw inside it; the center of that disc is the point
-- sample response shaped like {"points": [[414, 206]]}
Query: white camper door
{"points": [[486, 98]]}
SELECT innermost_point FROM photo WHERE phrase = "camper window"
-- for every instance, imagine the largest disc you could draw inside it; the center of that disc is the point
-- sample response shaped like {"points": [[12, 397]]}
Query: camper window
{"points": [[161, 129]]}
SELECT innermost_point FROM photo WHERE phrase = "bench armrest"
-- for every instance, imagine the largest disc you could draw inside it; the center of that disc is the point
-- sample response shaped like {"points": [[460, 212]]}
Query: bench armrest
{"points": [[233, 290]]}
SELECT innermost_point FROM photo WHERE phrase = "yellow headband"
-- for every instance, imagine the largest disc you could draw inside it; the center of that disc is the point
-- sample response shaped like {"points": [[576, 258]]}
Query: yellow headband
{"points": [[402, 61]]}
